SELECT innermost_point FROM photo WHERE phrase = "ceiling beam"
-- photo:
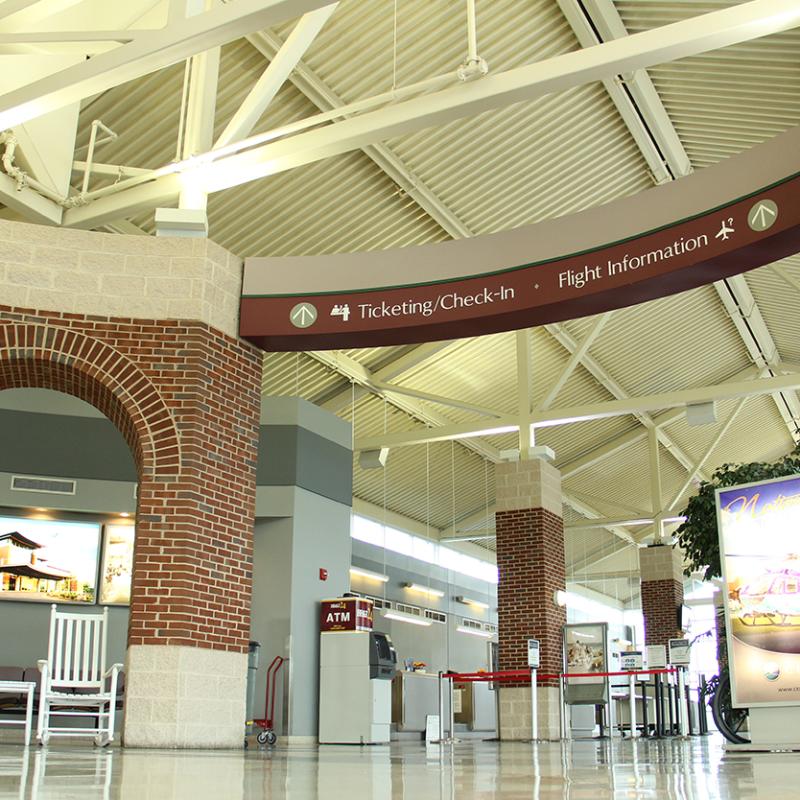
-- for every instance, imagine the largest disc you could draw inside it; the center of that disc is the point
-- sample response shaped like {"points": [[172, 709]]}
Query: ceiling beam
{"points": [[419, 410], [275, 75], [608, 550], [707, 454], [746, 316], [610, 408], [382, 388], [411, 358], [312, 86], [606, 380], [650, 124], [576, 357], [150, 51], [28, 203], [670, 42]]}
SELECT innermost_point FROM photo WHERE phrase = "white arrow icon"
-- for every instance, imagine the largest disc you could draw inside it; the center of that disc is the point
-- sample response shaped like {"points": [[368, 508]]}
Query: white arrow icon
{"points": [[762, 215], [303, 315]]}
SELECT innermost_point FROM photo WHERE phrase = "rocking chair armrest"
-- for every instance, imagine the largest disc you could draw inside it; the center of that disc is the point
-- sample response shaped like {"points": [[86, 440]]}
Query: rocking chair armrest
{"points": [[112, 669], [42, 664]]}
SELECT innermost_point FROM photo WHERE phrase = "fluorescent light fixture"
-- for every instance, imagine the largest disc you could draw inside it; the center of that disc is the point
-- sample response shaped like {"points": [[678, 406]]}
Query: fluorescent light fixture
{"points": [[416, 587], [366, 573], [468, 601], [475, 632], [674, 519], [401, 616]]}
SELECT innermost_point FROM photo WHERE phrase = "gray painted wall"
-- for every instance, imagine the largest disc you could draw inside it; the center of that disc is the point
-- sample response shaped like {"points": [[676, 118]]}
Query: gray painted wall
{"points": [[24, 628], [269, 625], [321, 539], [288, 554], [292, 456], [89, 448]]}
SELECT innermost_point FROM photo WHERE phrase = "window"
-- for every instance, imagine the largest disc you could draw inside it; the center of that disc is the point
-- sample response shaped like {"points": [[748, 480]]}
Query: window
{"points": [[427, 550], [407, 609]]}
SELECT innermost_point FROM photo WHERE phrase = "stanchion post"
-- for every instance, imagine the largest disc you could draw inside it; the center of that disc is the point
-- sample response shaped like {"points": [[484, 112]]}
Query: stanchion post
{"points": [[668, 683], [689, 726], [701, 706], [680, 703], [632, 701], [452, 711], [658, 698], [562, 700], [441, 707], [534, 709], [645, 722]]}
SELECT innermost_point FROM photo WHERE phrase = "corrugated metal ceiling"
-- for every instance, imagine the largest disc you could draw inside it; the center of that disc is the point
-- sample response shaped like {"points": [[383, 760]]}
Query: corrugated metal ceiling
{"points": [[528, 162]]}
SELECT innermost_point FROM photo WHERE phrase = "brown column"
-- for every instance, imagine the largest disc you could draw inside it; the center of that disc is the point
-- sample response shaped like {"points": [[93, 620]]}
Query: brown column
{"points": [[661, 571], [530, 561]]}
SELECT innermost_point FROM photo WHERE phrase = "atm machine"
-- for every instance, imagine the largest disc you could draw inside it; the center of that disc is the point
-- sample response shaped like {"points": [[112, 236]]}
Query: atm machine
{"points": [[356, 667]]}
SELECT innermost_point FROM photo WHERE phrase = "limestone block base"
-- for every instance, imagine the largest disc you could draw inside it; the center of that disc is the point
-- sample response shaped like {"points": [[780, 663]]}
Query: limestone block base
{"points": [[515, 713], [184, 697]]}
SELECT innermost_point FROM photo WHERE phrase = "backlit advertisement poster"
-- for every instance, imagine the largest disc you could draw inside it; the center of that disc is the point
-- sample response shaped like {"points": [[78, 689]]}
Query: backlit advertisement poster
{"points": [[759, 533], [585, 649], [48, 560], [117, 567]]}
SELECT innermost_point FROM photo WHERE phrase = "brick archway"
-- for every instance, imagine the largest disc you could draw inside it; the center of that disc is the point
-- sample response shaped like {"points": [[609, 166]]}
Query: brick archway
{"points": [[186, 398], [42, 357]]}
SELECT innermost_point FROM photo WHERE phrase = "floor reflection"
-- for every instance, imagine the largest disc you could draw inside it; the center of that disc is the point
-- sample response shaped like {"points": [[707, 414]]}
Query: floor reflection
{"points": [[694, 769]]}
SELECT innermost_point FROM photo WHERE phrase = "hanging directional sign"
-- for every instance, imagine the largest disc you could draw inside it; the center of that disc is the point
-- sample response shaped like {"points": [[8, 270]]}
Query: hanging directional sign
{"points": [[717, 222], [303, 315], [762, 215]]}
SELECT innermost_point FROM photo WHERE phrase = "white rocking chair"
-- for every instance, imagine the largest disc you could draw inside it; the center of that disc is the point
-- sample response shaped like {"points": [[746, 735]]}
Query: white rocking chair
{"points": [[75, 681]]}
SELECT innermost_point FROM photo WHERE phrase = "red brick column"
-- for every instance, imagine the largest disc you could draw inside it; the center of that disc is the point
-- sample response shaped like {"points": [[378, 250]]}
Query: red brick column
{"points": [[530, 562], [662, 592], [186, 397]]}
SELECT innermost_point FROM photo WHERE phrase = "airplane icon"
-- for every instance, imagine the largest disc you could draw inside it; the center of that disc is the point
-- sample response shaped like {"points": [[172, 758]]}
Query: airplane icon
{"points": [[726, 230]]}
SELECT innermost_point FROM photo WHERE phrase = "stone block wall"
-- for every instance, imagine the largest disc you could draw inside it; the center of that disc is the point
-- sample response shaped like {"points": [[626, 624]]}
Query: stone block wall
{"points": [[85, 272]]}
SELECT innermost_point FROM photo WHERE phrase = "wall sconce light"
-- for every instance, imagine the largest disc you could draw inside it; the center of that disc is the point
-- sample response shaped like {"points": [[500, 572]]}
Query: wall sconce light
{"points": [[416, 587], [468, 601], [366, 573]]}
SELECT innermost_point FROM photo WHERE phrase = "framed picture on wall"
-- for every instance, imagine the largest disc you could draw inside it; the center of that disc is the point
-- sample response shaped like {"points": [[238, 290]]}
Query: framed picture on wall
{"points": [[44, 560], [117, 566]]}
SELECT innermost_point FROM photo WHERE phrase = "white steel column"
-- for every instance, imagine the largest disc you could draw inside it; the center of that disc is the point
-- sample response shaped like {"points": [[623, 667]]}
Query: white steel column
{"points": [[524, 390], [655, 485], [201, 104]]}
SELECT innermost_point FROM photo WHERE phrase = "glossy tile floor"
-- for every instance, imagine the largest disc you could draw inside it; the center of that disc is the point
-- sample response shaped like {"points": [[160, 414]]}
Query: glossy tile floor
{"points": [[697, 769]]}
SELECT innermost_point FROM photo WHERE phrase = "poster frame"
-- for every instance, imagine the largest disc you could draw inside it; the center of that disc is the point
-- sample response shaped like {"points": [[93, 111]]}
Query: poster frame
{"points": [[736, 702], [19, 514], [570, 685], [101, 560]]}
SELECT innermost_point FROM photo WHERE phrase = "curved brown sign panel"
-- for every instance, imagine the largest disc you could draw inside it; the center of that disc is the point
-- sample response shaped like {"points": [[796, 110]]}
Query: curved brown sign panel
{"points": [[458, 298]]}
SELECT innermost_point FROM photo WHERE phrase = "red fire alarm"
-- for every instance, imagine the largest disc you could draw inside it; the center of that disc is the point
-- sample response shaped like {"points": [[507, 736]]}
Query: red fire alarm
{"points": [[323, 574]]}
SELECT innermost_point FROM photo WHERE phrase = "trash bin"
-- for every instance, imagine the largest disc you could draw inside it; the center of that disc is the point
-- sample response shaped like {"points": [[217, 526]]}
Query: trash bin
{"points": [[253, 653]]}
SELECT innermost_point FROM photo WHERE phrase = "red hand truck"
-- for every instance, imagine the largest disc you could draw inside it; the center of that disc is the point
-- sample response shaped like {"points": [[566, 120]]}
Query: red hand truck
{"points": [[267, 736]]}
